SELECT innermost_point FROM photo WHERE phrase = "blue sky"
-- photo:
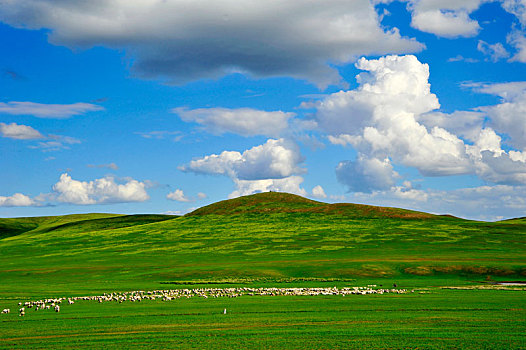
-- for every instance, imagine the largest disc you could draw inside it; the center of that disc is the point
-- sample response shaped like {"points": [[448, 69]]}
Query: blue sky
{"points": [[165, 106]]}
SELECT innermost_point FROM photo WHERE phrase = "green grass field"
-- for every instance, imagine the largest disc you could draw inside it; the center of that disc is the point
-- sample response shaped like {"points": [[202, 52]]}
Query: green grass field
{"points": [[269, 239], [439, 320]]}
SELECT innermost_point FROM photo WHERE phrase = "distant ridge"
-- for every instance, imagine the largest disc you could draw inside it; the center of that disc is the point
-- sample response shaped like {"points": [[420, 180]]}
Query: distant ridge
{"points": [[281, 202]]}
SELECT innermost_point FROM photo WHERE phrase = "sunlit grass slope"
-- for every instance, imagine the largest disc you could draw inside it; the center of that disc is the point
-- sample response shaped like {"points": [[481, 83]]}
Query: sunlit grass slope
{"points": [[268, 236]]}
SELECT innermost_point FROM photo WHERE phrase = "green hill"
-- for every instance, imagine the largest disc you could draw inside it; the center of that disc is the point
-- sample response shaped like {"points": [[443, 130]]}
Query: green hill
{"points": [[268, 236], [277, 202]]}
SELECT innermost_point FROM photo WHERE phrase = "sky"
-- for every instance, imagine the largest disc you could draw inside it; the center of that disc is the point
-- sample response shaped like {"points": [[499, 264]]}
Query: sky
{"points": [[164, 106]]}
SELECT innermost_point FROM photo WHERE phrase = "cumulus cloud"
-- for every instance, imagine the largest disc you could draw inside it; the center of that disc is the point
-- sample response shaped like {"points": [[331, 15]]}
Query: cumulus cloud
{"points": [[446, 18], [242, 121], [318, 192], [19, 132], [272, 166], [502, 168], [290, 184], [16, 200], [379, 118], [466, 124], [392, 117], [41, 110], [103, 190], [407, 192], [178, 195], [275, 159], [509, 116], [366, 175], [180, 41]]}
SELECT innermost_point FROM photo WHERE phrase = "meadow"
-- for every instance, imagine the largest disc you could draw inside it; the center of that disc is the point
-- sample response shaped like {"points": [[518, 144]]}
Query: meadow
{"points": [[266, 240]]}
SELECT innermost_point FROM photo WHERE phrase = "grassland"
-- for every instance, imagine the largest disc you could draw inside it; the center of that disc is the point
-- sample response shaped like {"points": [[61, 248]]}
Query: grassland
{"points": [[264, 240], [440, 320]]}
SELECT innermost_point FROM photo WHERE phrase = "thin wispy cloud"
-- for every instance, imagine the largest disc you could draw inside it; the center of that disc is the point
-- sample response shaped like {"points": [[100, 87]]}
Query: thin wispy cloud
{"points": [[42, 110]]}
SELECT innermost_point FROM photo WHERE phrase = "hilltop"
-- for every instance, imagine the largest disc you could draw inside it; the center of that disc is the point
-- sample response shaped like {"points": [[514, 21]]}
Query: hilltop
{"points": [[280, 202]]}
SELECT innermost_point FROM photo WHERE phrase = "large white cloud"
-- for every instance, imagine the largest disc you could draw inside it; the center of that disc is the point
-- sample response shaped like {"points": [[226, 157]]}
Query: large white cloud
{"points": [[16, 200], [275, 159], [445, 18], [393, 115], [42, 110], [19, 132], [272, 166], [242, 121], [181, 41], [379, 118], [103, 190]]}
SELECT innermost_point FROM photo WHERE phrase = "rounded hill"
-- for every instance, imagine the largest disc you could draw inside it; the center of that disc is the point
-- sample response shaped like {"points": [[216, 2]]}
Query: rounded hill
{"points": [[280, 202]]}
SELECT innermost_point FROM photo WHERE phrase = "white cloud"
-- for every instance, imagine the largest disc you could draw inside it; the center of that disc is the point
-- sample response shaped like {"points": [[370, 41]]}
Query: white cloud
{"points": [[178, 195], [466, 124], [272, 166], [41, 110], [366, 175], [517, 8], [161, 134], [56, 143], [392, 115], [495, 52], [517, 37], [242, 121], [501, 169], [19, 132], [275, 159], [103, 190], [459, 58], [289, 184], [16, 200], [49, 143], [180, 41], [380, 118], [407, 192], [318, 192], [445, 18], [509, 116]]}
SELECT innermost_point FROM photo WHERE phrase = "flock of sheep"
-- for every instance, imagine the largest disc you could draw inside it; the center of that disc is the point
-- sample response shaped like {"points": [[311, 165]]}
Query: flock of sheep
{"points": [[173, 294]]}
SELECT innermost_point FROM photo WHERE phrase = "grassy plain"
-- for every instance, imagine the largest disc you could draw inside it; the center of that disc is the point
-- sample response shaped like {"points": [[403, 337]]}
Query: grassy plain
{"points": [[269, 239], [453, 319]]}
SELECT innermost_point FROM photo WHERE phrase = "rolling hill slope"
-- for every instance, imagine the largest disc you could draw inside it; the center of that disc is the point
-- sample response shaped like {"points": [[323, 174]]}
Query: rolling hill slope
{"points": [[263, 236]]}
